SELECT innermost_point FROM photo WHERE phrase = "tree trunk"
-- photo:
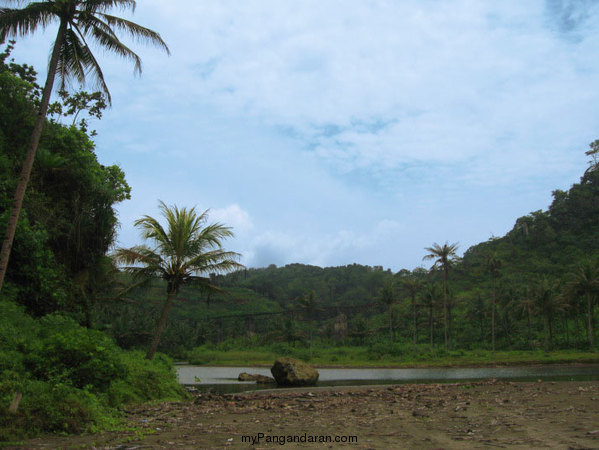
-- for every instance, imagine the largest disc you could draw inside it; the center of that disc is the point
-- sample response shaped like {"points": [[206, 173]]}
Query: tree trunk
{"points": [[430, 326], [590, 319], [529, 328], [30, 155], [445, 320], [161, 324], [414, 325], [493, 321]]}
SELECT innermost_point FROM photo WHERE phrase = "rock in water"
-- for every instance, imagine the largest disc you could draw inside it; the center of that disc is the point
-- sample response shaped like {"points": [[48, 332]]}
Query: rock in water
{"points": [[293, 372], [260, 379], [244, 376]]}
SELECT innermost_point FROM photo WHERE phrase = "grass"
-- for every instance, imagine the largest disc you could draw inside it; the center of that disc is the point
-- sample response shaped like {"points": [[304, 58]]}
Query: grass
{"points": [[395, 356]]}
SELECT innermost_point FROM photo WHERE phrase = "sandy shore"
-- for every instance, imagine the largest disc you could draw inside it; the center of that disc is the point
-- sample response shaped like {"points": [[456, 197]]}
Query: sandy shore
{"points": [[488, 414]]}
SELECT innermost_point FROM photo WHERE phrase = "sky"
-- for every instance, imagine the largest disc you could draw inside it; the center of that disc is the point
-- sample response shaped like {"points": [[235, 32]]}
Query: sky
{"points": [[332, 132]]}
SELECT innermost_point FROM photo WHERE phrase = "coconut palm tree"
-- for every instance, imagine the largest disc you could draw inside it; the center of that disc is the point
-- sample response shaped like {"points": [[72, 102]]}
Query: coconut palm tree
{"points": [[584, 283], [445, 257], [548, 303], [79, 21], [412, 287], [492, 267], [310, 305], [183, 250], [388, 298], [430, 299], [525, 303]]}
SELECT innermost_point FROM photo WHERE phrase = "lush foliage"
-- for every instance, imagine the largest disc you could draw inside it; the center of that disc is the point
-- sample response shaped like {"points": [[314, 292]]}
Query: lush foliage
{"points": [[68, 223], [58, 375], [71, 378]]}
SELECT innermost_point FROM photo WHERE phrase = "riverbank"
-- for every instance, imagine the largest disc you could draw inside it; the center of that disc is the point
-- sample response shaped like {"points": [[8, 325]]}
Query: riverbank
{"points": [[362, 357], [483, 414]]}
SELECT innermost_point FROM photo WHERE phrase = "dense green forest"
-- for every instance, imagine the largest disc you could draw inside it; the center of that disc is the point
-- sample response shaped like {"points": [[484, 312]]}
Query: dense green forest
{"points": [[536, 288]]}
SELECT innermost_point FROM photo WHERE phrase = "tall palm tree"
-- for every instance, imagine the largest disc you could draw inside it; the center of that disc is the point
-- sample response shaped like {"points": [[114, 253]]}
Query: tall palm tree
{"points": [[183, 251], [429, 301], [387, 297], [492, 267], [444, 256], [548, 303], [525, 303], [412, 287], [79, 21], [310, 305], [584, 283]]}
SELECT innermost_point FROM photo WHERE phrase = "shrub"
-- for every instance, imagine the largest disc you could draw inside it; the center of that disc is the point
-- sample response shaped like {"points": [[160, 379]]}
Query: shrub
{"points": [[81, 357], [145, 380], [71, 378]]}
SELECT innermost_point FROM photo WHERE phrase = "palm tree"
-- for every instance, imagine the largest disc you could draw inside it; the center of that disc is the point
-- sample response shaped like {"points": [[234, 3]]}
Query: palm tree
{"points": [[310, 305], [526, 304], [412, 286], [584, 283], [429, 301], [492, 267], [548, 303], [445, 256], [387, 297], [184, 250], [79, 21]]}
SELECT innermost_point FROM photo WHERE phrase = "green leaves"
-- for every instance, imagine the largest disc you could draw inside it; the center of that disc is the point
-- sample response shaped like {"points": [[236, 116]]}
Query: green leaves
{"points": [[80, 21], [185, 247]]}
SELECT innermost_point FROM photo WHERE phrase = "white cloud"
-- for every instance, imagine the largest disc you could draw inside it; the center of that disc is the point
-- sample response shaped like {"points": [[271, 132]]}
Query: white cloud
{"points": [[453, 79], [315, 122], [232, 216], [342, 247]]}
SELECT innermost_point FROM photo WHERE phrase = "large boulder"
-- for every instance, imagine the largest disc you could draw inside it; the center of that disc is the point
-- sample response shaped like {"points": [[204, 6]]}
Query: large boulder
{"points": [[293, 372]]}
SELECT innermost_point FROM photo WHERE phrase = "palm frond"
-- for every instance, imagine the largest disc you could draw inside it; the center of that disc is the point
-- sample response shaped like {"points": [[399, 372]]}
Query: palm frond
{"points": [[184, 247], [21, 22], [139, 254], [69, 61], [214, 262], [77, 61], [141, 34], [152, 229], [106, 38], [105, 5]]}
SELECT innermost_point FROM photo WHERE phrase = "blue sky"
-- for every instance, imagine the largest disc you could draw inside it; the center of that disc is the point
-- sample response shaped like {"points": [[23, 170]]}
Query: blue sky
{"points": [[330, 132]]}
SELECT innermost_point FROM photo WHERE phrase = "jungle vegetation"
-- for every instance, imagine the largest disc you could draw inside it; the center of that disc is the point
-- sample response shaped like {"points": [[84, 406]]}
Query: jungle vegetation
{"points": [[57, 372], [75, 327], [535, 289]]}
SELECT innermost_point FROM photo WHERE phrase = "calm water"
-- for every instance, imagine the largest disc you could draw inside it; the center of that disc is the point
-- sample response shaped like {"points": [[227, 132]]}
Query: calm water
{"points": [[224, 379]]}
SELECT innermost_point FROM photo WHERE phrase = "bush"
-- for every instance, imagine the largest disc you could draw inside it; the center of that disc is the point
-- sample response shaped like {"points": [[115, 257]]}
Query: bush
{"points": [[71, 378], [81, 357], [145, 380]]}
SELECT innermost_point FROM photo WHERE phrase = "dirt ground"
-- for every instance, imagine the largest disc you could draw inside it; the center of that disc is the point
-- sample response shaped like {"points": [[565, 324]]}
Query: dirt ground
{"points": [[495, 414]]}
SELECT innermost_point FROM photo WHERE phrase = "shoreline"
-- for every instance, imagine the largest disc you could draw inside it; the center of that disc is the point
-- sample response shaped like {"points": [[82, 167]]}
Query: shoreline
{"points": [[461, 365]]}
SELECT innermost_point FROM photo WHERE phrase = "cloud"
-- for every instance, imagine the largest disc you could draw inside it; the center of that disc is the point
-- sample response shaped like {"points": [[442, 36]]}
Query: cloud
{"points": [[232, 216], [307, 125], [340, 248], [381, 86]]}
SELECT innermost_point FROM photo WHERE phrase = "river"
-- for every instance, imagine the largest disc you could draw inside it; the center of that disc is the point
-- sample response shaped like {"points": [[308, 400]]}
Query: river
{"points": [[224, 379]]}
